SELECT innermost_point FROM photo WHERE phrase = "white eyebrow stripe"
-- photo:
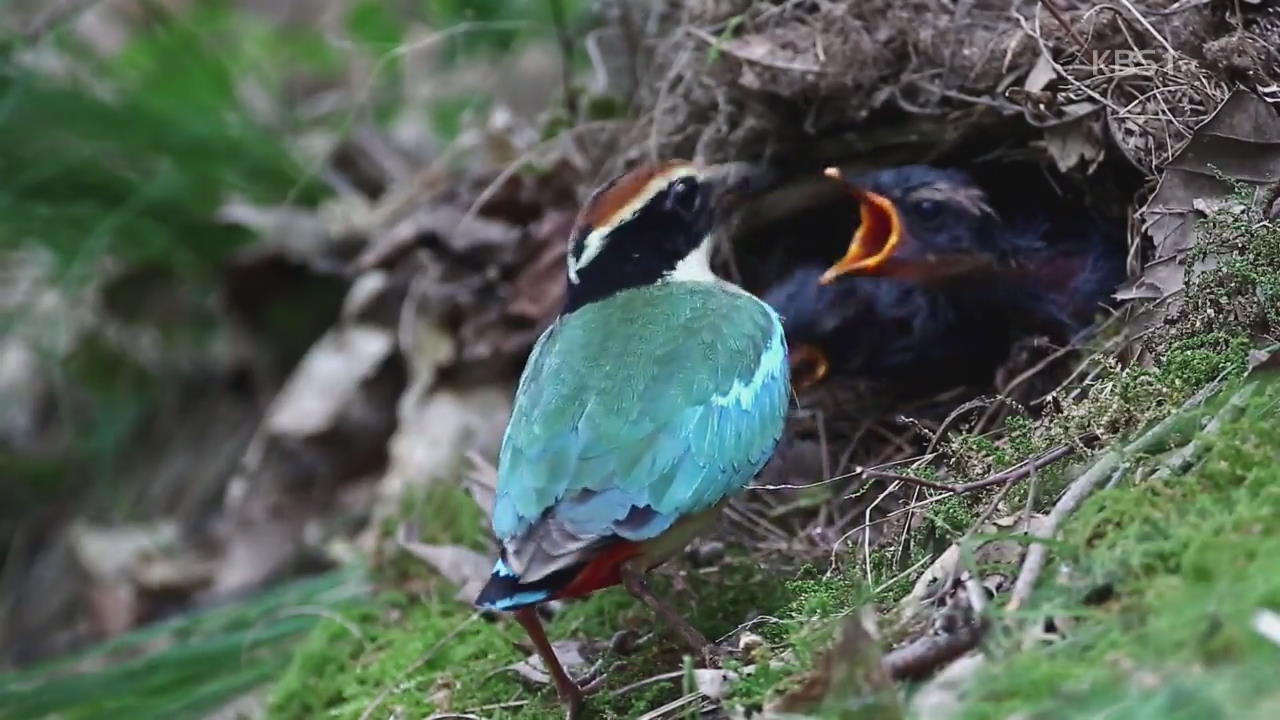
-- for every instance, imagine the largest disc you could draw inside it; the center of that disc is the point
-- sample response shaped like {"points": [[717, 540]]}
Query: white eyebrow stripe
{"points": [[595, 240]]}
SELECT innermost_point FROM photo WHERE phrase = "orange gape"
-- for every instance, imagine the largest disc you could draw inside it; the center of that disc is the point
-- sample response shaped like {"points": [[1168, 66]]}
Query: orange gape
{"points": [[603, 571]]}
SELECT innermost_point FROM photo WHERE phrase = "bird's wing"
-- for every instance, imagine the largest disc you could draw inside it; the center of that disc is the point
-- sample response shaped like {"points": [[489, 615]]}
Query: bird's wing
{"points": [[632, 412]]}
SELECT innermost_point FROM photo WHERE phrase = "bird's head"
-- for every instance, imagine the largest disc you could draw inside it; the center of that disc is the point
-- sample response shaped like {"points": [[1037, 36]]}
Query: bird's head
{"points": [[917, 223], [652, 224]]}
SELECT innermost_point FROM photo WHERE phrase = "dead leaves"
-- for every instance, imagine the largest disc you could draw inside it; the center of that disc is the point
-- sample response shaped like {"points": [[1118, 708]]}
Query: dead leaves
{"points": [[999, 556], [453, 268], [134, 571], [570, 654], [1073, 132], [466, 568], [1238, 145]]}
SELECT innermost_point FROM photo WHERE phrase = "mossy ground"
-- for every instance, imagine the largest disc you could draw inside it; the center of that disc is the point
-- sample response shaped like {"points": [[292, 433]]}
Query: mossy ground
{"points": [[428, 653], [1161, 581]]}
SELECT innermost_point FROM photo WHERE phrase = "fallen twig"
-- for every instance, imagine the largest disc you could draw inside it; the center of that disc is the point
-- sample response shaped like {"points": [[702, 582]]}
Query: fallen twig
{"points": [[1009, 475], [1184, 457], [1080, 489], [1062, 21], [929, 652], [1033, 564]]}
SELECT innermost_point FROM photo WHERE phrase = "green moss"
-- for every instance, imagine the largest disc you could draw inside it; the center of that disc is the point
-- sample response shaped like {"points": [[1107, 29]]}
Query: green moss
{"points": [[1183, 565], [716, 601], [1195, 362], [954, 515], [417, 656], [803, 628], [1240, 292], [338, 673]]}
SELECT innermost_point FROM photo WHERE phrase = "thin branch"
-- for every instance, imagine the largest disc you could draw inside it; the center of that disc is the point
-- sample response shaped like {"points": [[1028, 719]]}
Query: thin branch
{"points": [[1142, 19], [1061, 19], [1080, 488], [1184, 457], [929, 652], [1011, 475]]}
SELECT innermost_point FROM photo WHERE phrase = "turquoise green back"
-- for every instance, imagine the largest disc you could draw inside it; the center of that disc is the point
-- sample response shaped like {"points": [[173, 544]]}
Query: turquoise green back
{"points": [[670, 396]]}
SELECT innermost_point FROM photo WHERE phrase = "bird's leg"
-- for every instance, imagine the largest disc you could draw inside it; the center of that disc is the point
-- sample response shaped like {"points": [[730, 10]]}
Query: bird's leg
{"points": [[566, 688], [634, 581]]}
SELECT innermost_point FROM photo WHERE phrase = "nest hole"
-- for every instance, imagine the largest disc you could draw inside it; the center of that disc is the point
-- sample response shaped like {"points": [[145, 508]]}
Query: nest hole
{"points": [[1018, 177], [1007, 161]]}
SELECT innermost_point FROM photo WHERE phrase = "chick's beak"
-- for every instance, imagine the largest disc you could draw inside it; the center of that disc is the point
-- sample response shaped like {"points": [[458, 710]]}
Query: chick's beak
{"points": [[875, 241], [809, 365]]}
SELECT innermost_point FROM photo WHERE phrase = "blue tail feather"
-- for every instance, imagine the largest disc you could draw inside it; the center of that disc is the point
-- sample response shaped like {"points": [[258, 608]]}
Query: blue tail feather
{"points": [[505, 592]]}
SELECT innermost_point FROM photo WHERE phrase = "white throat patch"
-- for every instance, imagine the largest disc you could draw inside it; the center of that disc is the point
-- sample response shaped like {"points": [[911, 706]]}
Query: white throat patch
{"points": [[696, 266]]}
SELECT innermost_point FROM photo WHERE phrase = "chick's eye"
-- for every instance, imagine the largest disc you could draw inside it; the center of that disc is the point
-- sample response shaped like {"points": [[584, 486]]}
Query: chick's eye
{"points": [[683, 196], [927, 209]]}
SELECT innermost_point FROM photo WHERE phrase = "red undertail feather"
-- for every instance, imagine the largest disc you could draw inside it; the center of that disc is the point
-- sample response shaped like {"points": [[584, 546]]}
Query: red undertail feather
{"points": [[602, 571]]}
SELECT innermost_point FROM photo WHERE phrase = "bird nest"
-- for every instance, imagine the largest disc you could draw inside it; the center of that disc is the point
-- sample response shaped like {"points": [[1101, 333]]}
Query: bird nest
{"points": [[1083, 103]]}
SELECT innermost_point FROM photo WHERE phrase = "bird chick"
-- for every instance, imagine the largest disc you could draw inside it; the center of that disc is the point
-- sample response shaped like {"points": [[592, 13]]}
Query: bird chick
{"points": [[935, 288]]}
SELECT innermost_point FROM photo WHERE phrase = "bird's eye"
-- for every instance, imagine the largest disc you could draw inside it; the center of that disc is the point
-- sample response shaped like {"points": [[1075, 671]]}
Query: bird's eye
{"points": [[927, 209], [683, 196]]}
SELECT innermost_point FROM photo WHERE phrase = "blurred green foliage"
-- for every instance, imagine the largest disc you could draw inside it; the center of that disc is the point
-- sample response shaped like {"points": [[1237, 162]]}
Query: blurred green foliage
{"points": [[122, 165], [123, 161], [187, 666]]}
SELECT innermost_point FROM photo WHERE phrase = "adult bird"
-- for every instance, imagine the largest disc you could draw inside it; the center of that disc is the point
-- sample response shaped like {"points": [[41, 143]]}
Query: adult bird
{"points": [[935, 288], [658, 393]]}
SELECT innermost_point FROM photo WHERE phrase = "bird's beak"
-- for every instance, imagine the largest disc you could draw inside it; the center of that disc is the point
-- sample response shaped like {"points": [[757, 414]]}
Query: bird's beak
{"points": [[736, 182], [809, 365], [874, 243]]}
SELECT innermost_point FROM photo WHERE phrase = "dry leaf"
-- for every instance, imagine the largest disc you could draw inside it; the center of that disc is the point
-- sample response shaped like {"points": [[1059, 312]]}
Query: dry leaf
{"points": [[481, 482], [1074, 142], [464, 567], [762, 49], [329, 425], [1041, 74], [1239, 143], [296, 232], [327, 382], [993, 553], [437, 429], [112, 553], [571, 658]]}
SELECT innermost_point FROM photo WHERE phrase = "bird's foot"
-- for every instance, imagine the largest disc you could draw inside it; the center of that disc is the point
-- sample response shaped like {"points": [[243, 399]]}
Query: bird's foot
{"points": [[573, 701]]}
